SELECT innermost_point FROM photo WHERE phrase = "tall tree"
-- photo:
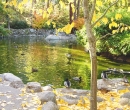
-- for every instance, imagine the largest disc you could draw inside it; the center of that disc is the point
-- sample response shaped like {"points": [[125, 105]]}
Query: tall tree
{"points": [[89, 9]]}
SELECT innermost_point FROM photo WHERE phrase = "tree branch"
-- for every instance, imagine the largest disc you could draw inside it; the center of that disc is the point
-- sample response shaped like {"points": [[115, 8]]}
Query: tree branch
{"points": [[104, 13], [93, 9], [107, 34], [104, 36]]}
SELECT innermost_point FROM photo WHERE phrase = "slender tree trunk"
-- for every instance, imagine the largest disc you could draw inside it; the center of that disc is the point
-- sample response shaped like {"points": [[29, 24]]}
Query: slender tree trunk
{"points": [[75, 13], [78, 7], [70, 13], [92, 50], [7, 18]]}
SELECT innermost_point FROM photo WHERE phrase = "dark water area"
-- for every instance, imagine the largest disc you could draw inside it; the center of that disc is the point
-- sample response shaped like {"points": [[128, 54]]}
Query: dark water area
{"points": [[35, 60]]}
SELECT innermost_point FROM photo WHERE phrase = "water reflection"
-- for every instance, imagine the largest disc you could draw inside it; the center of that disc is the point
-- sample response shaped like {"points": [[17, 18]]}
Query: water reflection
{"points": [[33, 59]]}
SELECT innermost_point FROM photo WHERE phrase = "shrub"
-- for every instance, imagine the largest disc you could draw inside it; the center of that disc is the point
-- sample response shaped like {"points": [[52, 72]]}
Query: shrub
{"points": [[18, 24]]}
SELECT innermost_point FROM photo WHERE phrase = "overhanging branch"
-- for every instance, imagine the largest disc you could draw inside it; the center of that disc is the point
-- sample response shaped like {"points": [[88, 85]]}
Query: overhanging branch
{"points": [[104, 13]]}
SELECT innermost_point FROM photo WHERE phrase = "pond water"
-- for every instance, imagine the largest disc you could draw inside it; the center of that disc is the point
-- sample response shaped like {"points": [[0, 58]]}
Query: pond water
{"points": [[33, 59]]}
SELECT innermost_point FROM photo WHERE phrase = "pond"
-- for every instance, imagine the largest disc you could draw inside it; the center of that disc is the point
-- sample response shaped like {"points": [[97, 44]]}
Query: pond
{"points": [[33, 59]]}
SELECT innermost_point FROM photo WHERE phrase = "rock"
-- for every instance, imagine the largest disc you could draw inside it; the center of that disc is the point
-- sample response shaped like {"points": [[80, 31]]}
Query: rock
{"points": [[124, 101], [99, 99], [70, 99], [125, 95], [52, 37], [80, 92], [109, 84], [33, 87], [47, 96], [17, 84], [10, 77], [1, 78], [47, 88], [121, 87], [50, 106]]}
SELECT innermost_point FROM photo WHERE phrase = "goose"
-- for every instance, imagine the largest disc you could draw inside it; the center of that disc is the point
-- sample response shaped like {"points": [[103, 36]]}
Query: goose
{"points": [[67, 83], [77, 79]]}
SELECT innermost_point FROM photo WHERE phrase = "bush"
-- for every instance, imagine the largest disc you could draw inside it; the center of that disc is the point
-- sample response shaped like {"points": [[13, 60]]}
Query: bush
{"points": [[3, 31], [17, 24]]}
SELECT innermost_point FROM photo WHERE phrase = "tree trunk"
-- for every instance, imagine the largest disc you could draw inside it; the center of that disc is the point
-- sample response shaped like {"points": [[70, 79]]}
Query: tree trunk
{"points": [[93, 57], [78, 7], [70, 13], [92, 50]]}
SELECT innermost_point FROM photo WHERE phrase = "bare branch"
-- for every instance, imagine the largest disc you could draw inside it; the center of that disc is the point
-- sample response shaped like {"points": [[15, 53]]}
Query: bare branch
{"points": [[105, 13], [93, 9], [108, 34]]}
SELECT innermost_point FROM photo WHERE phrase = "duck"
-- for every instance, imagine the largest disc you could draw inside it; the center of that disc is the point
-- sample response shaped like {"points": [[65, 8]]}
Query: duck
{"points": [[125, 79], [34, 70], [77, 79], [104, 76], [67, 83], [69, 56]]}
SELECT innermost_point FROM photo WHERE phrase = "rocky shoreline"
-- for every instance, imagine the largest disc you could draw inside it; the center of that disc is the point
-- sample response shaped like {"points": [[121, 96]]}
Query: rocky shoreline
{"points": [[15, 95]]}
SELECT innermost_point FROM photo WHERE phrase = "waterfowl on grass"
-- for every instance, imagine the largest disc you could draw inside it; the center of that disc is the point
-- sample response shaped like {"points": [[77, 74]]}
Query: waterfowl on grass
{"points": [[67, 83], [34, 70]]}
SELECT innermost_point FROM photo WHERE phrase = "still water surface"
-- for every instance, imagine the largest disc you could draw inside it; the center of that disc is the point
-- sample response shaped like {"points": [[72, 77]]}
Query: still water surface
{"points": [[33, 59]]}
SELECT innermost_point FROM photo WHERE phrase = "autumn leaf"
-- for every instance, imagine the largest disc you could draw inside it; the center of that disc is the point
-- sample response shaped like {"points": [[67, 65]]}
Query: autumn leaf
{"points": [[64, 108], [40, 107]]}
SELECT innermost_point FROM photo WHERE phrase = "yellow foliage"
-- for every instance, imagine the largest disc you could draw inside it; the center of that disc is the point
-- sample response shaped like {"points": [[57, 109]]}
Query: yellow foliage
{"points": [[114, 31], [50, 9], [128, 9], [38, 21], [118, 16], [99, 3], [64, 108], [48, 22], [122, 29], [113, 24], [70, 1], [60, 101], [45, 15], [62, 4], [67, 29], [105, 20], [40, 107]]}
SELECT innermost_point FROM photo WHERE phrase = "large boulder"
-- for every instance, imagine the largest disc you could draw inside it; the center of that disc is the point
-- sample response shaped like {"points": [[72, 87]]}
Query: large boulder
{"points": [[10, 77], [33, 87], [50, 106], [70, 99], [110, 84], [47, 96], [60, 38], [15, 81]]}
